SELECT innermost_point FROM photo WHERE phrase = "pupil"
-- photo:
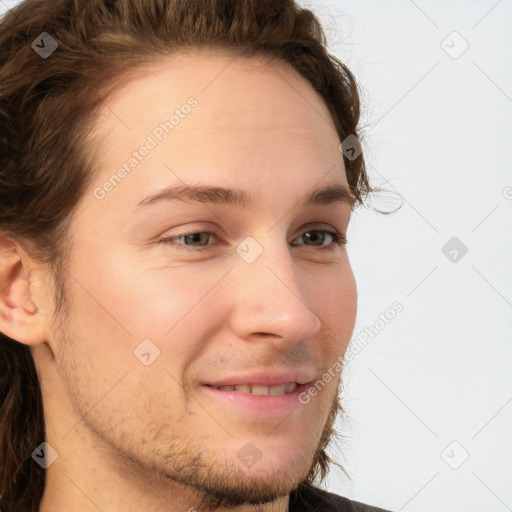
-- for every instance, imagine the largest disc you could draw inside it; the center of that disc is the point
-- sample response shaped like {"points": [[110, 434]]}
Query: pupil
{"points": [[195, 236], [315, 234]]}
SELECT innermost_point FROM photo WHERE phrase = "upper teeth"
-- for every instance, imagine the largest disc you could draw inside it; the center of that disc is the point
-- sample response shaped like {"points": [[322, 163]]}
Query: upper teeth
{"points": [[258, 389]]}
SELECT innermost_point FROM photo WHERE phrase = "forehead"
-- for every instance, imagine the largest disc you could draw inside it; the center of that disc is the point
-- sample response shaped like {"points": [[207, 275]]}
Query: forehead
{"points": [[240, 102], [254, 123]]}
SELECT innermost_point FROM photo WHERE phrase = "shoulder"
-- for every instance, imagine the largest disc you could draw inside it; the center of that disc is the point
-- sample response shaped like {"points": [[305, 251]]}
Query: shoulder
{"points": [[314, 499]]}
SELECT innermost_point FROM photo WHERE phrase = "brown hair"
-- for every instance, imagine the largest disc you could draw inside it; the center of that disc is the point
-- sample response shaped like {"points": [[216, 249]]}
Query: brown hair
{"points": [[47, 106]]}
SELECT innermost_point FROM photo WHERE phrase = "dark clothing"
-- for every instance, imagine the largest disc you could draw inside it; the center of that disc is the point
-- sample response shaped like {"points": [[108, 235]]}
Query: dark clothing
{"points": [[314, 499]]}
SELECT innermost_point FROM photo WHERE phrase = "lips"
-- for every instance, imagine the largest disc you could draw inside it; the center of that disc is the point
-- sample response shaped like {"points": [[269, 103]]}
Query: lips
{"points": [[238, 405], [265, 377]]}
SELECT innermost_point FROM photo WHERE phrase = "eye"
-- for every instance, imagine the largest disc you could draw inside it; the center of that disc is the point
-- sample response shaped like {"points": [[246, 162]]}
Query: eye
{"points": [[172, 240], [310, 235]]}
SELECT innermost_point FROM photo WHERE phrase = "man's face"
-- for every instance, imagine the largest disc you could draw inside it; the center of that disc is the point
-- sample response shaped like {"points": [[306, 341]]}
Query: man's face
{"points": [[271, 290]]}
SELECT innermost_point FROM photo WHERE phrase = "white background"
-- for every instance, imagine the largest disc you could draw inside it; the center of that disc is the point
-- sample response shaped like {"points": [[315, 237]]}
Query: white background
{"points": [[434, 385]]}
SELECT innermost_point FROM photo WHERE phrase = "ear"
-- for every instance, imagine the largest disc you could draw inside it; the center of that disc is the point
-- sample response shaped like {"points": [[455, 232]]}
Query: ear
{"points": [[21, 318]]}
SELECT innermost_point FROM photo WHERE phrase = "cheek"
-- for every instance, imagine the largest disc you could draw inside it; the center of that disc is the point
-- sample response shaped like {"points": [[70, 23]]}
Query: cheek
{"points": [[172, 305], [335, 302], [123, 290], [347, 297], [113, 309]]}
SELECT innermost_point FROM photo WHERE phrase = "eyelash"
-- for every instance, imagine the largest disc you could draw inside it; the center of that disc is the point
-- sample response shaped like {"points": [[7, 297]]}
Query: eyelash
{"points": [[338, 239]]}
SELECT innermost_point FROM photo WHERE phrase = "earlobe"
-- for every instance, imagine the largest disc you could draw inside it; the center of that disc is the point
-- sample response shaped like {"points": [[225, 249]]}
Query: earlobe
{"points": [[20, 317]]}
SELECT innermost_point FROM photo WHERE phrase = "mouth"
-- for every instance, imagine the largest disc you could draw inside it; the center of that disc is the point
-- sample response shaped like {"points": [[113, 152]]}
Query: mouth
{"points": [[256, 399], [259, 389]]}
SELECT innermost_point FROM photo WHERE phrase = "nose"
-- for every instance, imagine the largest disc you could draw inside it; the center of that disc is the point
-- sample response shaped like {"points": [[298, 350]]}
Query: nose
{"points": [[270, 301]]}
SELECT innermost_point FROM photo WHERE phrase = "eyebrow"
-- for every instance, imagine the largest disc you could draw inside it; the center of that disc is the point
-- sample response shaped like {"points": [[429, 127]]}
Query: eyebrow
{"points": [[331, 193]]}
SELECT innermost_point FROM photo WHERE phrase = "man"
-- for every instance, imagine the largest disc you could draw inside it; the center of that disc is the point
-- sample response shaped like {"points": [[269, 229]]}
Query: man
{"points": [[173, 256]]}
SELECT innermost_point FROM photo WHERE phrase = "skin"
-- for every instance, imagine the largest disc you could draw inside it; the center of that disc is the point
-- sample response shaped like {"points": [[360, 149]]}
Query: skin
{"points": [[133, 437]]}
